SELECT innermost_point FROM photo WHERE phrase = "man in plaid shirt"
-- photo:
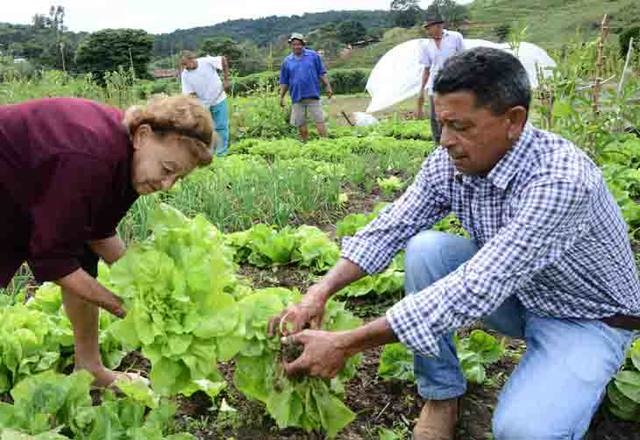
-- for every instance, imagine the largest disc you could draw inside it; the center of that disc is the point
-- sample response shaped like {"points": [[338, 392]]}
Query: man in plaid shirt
{"points": [[549, 261]]}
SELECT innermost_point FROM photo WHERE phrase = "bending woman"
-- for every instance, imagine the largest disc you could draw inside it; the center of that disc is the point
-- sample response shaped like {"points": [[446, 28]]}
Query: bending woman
{"points": [[69, 171]]}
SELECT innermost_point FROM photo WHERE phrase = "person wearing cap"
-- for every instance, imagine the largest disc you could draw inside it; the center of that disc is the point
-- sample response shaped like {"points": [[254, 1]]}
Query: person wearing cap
{"points": [[69, 171], [547, 260], [434, 52], [200, 79], [300, 74]]}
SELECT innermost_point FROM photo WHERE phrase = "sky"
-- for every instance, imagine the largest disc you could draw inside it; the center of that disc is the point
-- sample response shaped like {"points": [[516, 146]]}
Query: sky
{"points": [[159, 16]]}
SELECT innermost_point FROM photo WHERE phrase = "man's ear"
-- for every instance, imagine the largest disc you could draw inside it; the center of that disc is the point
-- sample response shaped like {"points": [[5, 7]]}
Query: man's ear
{"points": [[517, 118]]}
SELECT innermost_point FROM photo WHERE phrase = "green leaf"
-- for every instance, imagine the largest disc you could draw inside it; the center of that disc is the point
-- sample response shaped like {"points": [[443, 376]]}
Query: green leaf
{"points": [[620, 405], [628, 383], [475, 373], [212, 389], [634, 354], [334, 415], [168, 376], [396, 362], [139, 391], [222, 318]]}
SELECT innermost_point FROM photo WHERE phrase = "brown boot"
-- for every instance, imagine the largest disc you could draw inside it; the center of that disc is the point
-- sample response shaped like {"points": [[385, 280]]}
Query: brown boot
{"points": [[437, 421]]}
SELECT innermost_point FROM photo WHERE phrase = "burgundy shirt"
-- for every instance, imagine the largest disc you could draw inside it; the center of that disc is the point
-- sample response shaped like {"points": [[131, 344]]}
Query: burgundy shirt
{"points": [[65, 178]]}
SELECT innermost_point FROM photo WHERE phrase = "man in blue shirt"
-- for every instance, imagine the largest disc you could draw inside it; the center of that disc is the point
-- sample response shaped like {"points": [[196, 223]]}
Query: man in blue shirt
{"points": [[300, 74]]}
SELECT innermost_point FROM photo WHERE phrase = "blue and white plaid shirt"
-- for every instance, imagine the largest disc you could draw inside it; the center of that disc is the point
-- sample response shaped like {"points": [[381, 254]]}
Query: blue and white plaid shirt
{"points": [[547, 229]]}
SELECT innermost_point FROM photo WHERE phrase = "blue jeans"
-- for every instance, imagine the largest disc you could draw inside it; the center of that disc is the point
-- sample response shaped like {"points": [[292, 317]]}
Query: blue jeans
{"points": [[559, 382], [220, 115]]}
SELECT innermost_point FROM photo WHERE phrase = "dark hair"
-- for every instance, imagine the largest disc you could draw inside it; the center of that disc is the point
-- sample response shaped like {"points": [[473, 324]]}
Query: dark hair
{"points": [[497, 79]]}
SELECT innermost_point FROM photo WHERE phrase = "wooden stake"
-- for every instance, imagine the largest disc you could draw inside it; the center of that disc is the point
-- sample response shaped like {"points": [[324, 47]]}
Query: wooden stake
{"points": [[604, 31]]}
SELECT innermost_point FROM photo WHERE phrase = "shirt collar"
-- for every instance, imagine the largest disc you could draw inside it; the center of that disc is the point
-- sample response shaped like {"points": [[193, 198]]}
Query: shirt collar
{"points": [[507, 167]]}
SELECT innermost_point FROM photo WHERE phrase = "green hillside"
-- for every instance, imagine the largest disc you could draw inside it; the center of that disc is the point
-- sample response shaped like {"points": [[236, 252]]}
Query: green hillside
{"points": [[550, 23], [263, 31]]}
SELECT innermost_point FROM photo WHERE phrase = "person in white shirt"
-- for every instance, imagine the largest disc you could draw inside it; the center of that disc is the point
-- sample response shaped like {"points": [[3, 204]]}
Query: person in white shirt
{"points": [[200, 79], [442, 45]]}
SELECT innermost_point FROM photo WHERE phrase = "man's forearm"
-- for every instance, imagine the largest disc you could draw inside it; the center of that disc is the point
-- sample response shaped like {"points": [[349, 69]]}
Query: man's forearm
{"points": [[368, 336], [283, 90], [109, 249], [425, 80], [325, 81], [225, 68], [342, 274]]}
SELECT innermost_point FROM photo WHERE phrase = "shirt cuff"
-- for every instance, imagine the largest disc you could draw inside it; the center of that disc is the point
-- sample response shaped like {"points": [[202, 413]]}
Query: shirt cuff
{"points": [[412, 327], [50, 269]]}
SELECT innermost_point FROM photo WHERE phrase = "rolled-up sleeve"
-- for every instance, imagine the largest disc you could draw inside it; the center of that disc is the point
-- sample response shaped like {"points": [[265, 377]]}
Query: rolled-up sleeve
{"points": [[320, 66], [419, 208], [68, 204], [552, 215]]}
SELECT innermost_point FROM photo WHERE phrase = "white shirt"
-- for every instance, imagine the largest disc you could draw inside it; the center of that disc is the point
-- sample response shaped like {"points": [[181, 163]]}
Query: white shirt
{"points": [[433, 57], [204, 81]]}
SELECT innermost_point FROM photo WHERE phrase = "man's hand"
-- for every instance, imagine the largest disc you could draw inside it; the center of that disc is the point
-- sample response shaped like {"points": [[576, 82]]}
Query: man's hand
{"points": [[309, 311], [282, 101], [227, 85], [329, 92], [324, 354]]}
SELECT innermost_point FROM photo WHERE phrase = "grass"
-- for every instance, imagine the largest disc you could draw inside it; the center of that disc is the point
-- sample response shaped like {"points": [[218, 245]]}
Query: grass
{"points": [[550, 23]]}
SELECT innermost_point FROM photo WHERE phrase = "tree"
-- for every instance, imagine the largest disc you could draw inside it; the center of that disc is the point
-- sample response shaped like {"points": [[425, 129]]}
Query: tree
{"points": [[327, 39], [221, 46], [406, 13], [351, 31], [451, 12], [109, 49]]}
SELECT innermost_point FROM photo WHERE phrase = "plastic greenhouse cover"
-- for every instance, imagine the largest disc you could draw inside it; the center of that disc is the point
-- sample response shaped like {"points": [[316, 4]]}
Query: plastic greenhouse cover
{"points": [[397, 75]]}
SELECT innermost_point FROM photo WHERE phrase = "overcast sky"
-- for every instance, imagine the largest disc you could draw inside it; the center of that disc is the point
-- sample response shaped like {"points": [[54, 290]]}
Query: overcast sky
{"points": [[158, 16]]}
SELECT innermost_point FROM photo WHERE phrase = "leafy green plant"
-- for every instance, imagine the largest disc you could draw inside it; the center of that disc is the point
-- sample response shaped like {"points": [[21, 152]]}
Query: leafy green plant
{"points": [[388, 282], [30, 342], [177, 287], [390, 185], [264, 246], [55, 406], [623, 393], [308, 403], [46, 402], [352, 223], [396, 362], [475, 352]]}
